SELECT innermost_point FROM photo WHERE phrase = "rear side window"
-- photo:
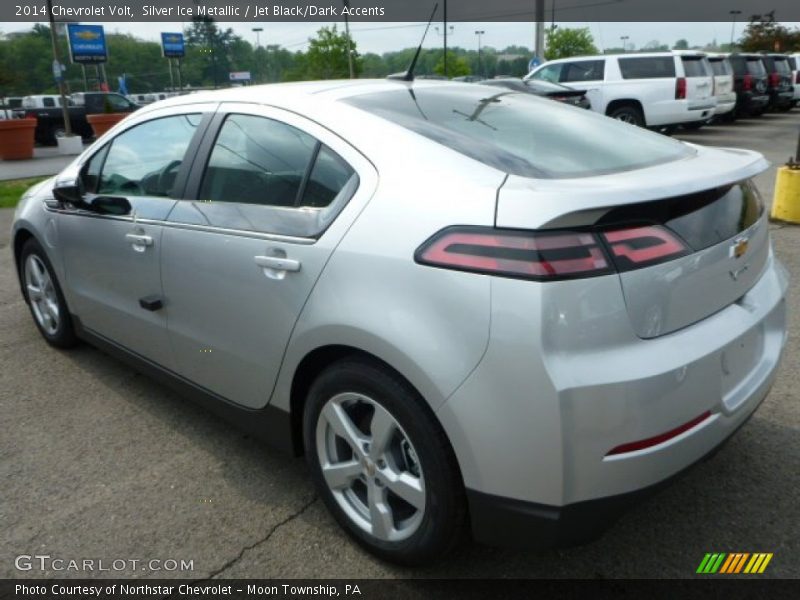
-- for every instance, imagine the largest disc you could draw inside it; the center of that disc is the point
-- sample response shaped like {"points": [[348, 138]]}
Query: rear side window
{"points": [[265, 175], [793, 63], [585, 70], [551, 73], [520, 134], [48, 102], [257, 161], [647, 67], [694, 66]]}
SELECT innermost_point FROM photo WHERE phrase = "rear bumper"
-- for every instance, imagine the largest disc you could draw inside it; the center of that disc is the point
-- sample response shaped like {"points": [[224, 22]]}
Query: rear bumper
{"points": [[782, 99], [725, 104], [749, 103], [510, 523], [534, 424]]}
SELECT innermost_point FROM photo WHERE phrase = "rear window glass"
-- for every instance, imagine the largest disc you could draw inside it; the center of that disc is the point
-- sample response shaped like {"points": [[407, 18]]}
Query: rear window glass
{"points": [[649, 67], [694, 67], [520, 133], [782, 65], [755, 66], [720, 66]]}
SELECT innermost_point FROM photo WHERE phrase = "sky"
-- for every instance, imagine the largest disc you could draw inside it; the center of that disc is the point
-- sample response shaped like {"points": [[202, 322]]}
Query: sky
{"points": [[384, 37]]}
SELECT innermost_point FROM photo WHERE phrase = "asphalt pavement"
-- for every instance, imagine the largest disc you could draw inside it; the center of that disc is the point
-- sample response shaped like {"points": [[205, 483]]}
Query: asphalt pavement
{"points": [[46, 161], [99, 462]]}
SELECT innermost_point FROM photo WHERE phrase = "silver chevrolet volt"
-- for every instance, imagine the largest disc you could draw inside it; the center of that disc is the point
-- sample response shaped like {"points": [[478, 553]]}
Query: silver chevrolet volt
{"points": [[469, 308]]}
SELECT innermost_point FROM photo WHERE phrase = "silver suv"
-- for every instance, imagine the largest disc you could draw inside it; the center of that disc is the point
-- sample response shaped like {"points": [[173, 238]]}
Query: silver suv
{"points": [[463, 304]]}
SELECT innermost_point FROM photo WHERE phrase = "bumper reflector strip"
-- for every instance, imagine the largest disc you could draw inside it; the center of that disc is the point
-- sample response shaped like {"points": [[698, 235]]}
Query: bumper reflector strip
{"points": [[658, 439]]}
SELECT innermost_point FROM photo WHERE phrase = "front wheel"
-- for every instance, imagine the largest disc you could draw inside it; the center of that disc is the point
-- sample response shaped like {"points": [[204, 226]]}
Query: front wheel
{"points": [[44, 297], [382, 464]]}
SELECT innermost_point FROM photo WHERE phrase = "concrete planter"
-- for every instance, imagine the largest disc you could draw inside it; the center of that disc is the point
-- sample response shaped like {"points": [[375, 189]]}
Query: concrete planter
{"points": [[16, 138], [70, 145], [103, 122]]}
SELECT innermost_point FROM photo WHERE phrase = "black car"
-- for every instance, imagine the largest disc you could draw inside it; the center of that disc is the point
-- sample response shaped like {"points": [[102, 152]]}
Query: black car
{"points": [[750, 84], [553, 91], [779, 82]]}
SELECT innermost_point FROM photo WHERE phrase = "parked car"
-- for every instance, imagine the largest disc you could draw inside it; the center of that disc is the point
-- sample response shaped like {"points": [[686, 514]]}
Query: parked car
{"points": [[750, 84], [51, 120], [779, 81], [723, 87], [12, 102], [794, 63], [42, 101], [516, 313], [648, 89], [553, 91]]}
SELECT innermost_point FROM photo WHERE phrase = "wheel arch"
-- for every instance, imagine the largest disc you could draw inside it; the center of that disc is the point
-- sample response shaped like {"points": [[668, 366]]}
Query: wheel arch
{"points": [[620, 102], [22, 235]]}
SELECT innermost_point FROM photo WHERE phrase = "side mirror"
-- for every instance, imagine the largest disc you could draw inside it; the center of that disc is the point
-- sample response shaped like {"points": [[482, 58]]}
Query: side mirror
{"points": [[69, 191]]}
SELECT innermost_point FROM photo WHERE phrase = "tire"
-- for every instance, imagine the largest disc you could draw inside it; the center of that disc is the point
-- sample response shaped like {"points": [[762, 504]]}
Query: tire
{"points": [[339, 416], [44, 297], [628, 113]]}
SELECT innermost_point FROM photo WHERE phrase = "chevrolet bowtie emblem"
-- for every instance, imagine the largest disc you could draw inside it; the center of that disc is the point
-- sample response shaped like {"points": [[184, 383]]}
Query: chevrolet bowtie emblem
{"points": [[739, 247]]}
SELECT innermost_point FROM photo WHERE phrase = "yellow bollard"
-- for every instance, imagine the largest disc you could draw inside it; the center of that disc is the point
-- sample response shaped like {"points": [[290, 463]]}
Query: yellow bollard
{"points": [[786, 203]]}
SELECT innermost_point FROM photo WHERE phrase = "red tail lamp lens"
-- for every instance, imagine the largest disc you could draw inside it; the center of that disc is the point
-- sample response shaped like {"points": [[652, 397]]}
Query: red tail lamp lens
{"points": [[637, 247], [539, 256]]}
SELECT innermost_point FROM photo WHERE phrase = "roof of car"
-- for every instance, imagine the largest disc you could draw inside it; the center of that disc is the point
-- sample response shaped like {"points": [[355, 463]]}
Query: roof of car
{"points": [[286, 94]]}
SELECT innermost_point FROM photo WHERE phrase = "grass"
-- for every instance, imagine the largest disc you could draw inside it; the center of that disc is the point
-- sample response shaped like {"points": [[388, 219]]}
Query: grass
{"points": [[11, 191]]}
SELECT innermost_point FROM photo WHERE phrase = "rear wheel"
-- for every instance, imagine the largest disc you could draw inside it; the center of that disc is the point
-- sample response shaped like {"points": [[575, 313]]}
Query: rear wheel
{"points": [[44, 297], [382, 463], [628, 113]]}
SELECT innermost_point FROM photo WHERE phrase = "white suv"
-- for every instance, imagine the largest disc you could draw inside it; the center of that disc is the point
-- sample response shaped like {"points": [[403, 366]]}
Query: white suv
{"points": [[649, 89]]}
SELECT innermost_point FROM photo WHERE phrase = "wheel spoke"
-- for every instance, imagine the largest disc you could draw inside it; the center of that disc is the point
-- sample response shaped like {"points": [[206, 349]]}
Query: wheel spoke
{"points": [[34, 293], [379, 512], [408, 487], [382, 428], [340, 421], [38, 273], [341, 475], [52, 310]]}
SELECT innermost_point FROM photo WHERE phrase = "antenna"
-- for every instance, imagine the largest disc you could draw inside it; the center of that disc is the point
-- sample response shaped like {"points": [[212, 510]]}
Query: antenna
{"points": [[409, 74]]}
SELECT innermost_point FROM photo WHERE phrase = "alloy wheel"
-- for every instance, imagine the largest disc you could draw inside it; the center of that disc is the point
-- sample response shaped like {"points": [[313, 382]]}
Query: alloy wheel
{"points": [[42, 294], [370, 466]]}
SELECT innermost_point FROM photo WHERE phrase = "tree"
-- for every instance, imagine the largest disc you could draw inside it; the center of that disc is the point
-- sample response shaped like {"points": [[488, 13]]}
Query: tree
{"points": [[457, 66], [769, 36], [327, 55], [564, 42], [682, 44], [208, 50]]}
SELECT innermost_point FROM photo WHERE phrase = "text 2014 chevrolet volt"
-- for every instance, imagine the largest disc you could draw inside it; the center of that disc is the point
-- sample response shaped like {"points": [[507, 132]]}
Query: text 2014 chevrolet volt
{"points": [[468, 307]]}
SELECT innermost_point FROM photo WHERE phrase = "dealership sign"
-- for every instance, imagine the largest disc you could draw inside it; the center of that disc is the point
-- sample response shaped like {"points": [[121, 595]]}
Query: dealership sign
{"points": [[240, 76], [87, 43], [172, 45]]}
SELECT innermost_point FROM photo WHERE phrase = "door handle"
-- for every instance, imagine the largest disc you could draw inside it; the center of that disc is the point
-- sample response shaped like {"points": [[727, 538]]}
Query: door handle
{"points": [[140, 243], [277, 263]]}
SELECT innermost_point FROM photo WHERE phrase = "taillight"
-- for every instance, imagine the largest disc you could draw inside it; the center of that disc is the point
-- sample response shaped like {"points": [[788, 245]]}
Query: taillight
{"points": [[550, 255], [774, 80], [680, 88], [747, 84], [511, 253], [637, 247]]}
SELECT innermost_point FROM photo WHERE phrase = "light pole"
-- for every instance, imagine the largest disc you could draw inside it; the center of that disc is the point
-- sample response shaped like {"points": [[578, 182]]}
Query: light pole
{"points": [[346, 4], [733, 13], [479, 33], [258, 31], [57, 68], [624, 39]]}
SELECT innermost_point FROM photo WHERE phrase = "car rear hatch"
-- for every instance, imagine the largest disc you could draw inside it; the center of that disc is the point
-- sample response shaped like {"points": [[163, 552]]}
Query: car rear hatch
{"points": [[782, 75], [723, 77], [686, 238], [755, 79], [699, 80]]}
